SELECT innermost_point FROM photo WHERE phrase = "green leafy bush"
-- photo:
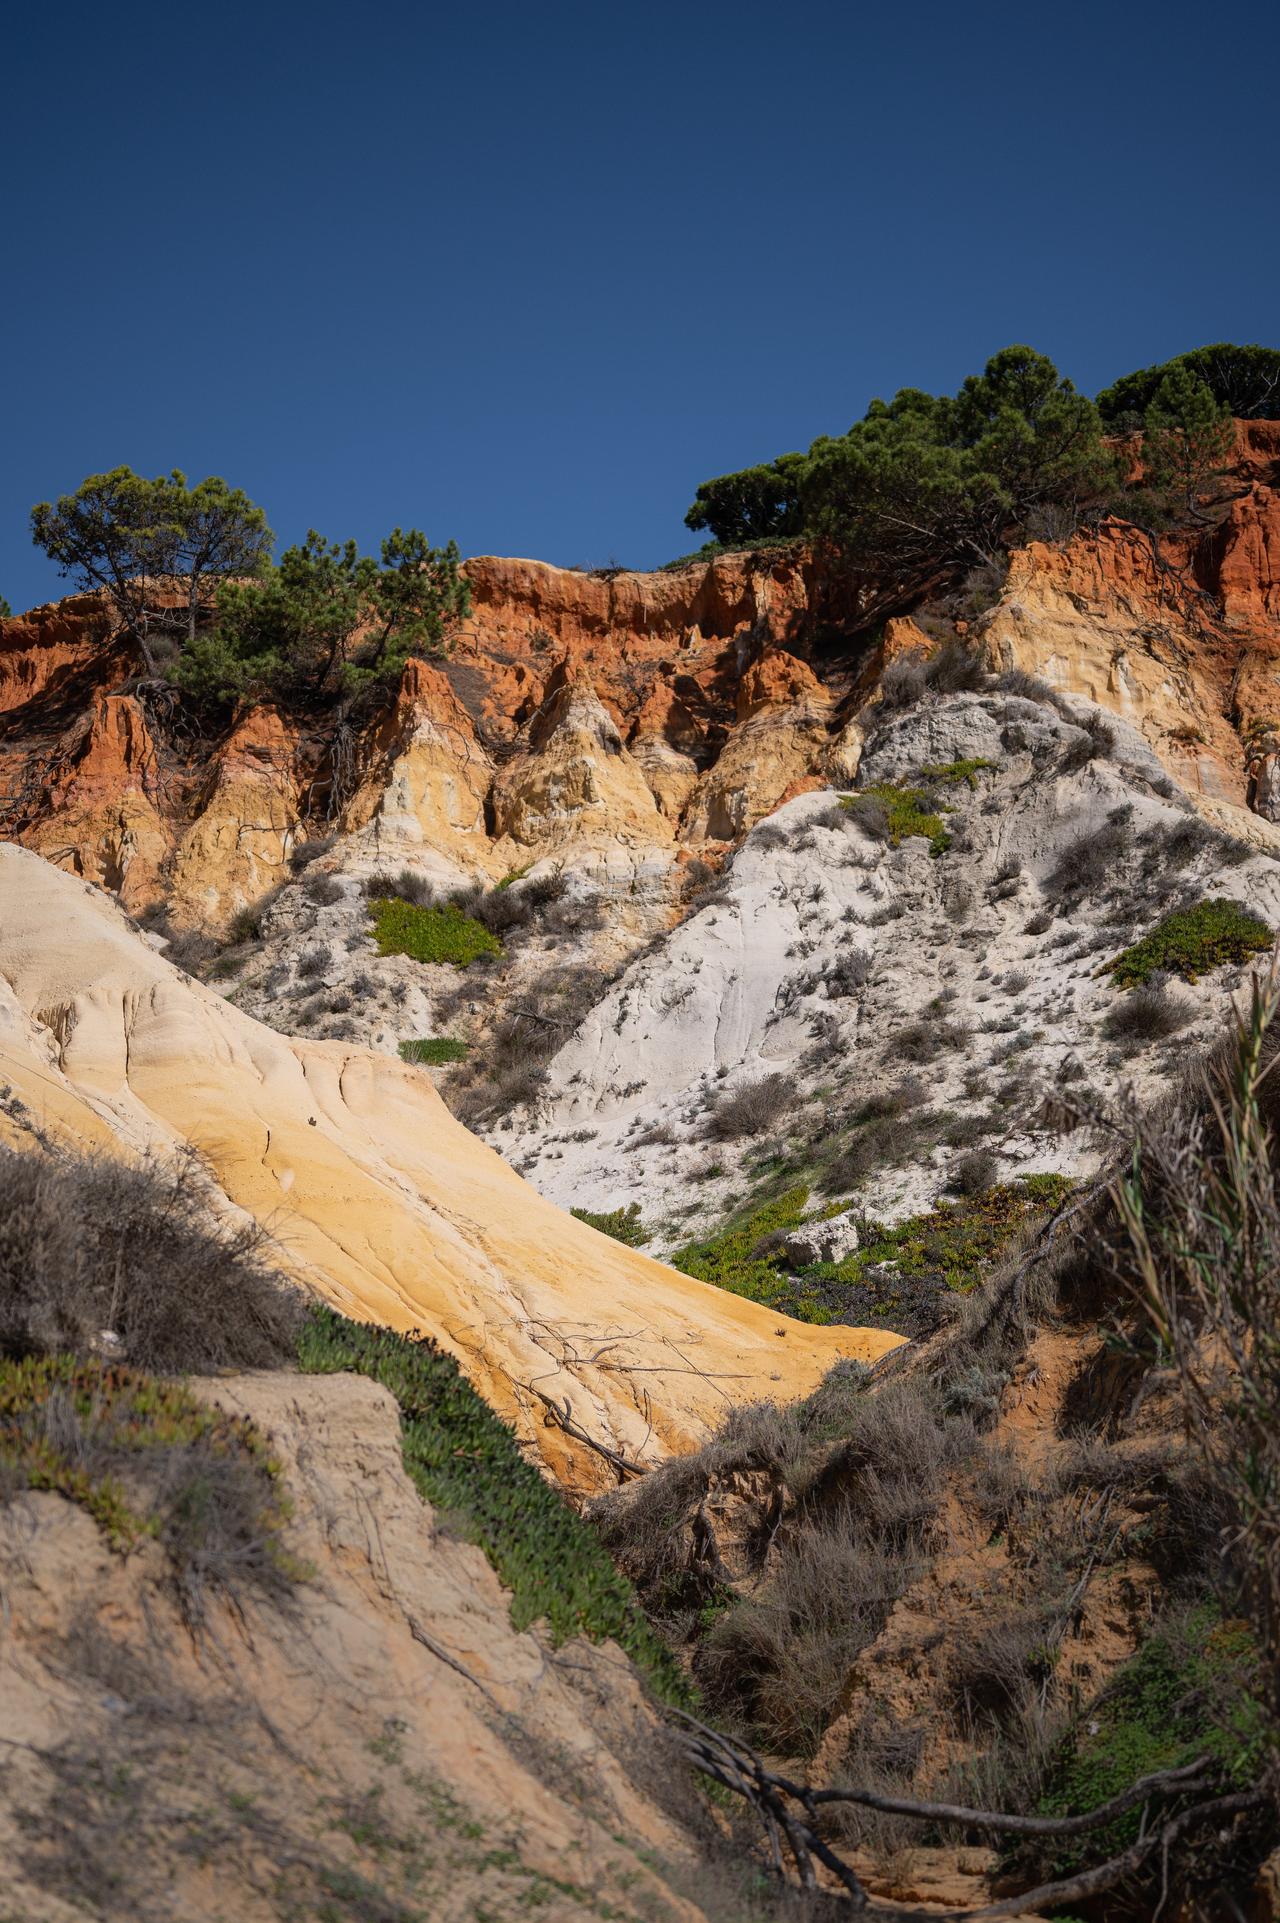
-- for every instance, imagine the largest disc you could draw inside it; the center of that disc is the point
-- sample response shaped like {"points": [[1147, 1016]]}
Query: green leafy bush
{"points": [[907, 811], [755, 504], [430, 934], [1192, 942], [927, 482], [465, 1461], [623, 1224], [120, 534], [432, 1051], [328, 623]]}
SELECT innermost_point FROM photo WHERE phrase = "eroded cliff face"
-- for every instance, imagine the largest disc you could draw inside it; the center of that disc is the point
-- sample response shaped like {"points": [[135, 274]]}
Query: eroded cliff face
{"points": [[1180, 639], [579, 718], [609, 722], [382, 1743]]}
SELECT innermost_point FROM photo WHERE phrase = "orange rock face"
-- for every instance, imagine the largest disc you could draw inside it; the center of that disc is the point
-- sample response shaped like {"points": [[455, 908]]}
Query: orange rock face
{"points": [[1183, 640], [619, 717], [575, 712]]}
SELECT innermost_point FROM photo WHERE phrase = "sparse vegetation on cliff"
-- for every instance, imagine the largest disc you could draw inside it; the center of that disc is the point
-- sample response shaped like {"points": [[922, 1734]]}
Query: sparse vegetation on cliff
{"points": [[149, 1463], [465, 1461], [94, 1251]]}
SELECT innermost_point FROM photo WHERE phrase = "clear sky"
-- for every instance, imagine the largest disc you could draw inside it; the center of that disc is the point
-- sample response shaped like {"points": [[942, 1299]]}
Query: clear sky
{"points": [[524, 275]]}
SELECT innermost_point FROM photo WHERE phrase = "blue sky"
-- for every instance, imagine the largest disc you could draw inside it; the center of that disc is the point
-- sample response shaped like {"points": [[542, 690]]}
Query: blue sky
{"points": [[523, 276]]}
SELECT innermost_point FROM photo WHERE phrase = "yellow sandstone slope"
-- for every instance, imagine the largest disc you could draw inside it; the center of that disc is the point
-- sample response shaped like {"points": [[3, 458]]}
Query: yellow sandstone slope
{"points": [[375, 1194]]}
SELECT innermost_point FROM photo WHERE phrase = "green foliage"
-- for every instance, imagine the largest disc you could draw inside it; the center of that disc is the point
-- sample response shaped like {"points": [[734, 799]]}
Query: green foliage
{"points": [[622, 1224], [513, 875], [908, 811], [466, 1462], [329, 622], [735, 1260], [948, 1248], [1187, 439], [430, 934], [1188, 1692], [6, 612], [1192, 942], [925, 482], [966, 770], [1243, 380], [123, 535], [432, 1051], [756, 504]]}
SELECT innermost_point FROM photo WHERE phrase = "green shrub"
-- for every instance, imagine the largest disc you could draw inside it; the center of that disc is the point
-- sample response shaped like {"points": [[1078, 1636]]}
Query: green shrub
{"points": [[907, 811], [735, 1260], [946, 1250], [1245, 380], [623, 1224], [431, 1051], [465, 1461], [1187, 1693], [430, 934], [966, 770], [1192, 942]]}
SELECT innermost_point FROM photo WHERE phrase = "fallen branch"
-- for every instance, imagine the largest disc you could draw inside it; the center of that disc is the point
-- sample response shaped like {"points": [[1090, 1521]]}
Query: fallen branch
{"points": [[793, 1808], [561, 1418]]}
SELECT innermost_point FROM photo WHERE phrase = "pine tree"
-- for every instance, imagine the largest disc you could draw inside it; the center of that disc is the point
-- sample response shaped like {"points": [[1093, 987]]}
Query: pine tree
{"points": [[1187, 440]]}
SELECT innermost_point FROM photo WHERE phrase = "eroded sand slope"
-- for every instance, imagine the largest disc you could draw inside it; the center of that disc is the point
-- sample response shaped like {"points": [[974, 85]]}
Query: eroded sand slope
{"points": [[385, 1203]]}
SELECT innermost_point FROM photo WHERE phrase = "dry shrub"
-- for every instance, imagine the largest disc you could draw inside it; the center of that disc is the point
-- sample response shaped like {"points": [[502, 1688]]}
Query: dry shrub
{"points": [[883, 1142], [323, 890], [956, 669], [750, 1109], [903, 682], [866, 1476], [1027, 686], [781, 1658], [974, 1173], [509, 1069], [925, 1039], [307, 851], [1089, 862], [1199, 1249], [1099, 740], [991, 1663], [88, 1245], [1146, 1014], [192, 951]]}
